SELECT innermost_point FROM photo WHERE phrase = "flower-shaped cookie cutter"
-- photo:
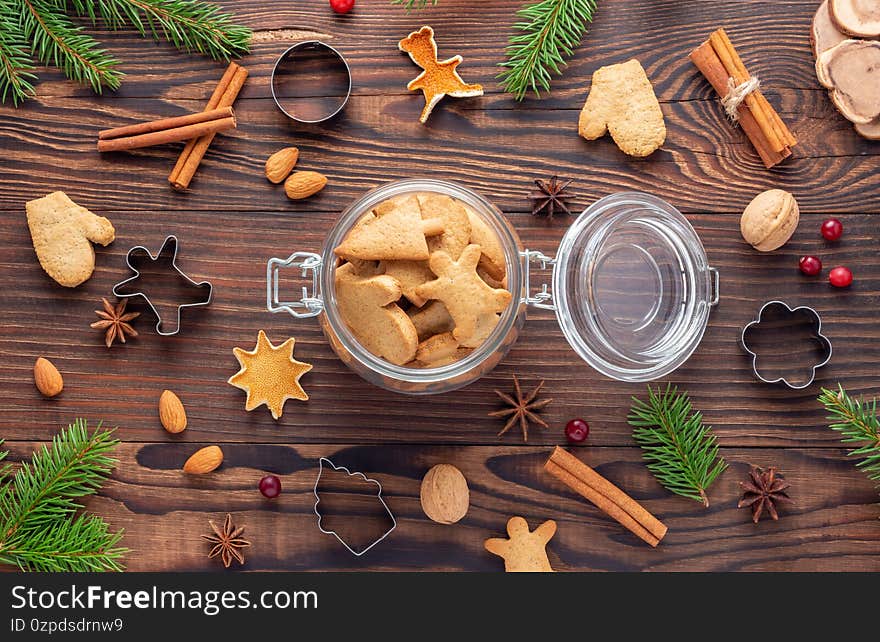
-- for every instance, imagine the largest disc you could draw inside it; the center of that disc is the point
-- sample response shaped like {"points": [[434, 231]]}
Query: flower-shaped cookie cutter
{"points": [[133, 258], [816, 322], [335, 468]]}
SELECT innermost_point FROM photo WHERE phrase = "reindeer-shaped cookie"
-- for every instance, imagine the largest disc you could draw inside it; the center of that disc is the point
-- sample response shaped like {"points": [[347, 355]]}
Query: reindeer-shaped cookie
{"points": [[439, 78]]}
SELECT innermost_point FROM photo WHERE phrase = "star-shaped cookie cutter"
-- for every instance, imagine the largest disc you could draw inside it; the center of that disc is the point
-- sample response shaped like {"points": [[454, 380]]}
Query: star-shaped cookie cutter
{"points": [[170, 242], [336, 468], [816, 322]]}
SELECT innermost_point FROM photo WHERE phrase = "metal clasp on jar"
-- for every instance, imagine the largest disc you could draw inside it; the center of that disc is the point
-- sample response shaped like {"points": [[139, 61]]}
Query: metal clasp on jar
{"points": [[311, 304], [543, 298]]}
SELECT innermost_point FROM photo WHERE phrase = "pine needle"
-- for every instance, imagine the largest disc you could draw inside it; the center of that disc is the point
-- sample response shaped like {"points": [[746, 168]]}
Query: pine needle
{"points": [[857, 422], [16, 66], [551, 29], [679, 449], [56, 40], [409, 5], [43, 29], [190, 25], [39, 529]]}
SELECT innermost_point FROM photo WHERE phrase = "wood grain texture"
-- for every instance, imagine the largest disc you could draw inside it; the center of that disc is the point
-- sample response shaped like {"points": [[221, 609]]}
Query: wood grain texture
{"points": [[233, 220], [832, 527]]}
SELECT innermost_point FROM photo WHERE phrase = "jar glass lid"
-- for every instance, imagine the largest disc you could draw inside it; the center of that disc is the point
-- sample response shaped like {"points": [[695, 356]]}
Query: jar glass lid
{"points": [[632, 287]]}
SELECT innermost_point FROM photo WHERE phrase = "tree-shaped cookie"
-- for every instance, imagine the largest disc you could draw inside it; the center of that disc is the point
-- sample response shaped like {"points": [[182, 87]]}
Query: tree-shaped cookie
{"points": [[439, 78], [472, 303], [368, 306], [524, 551], [395, 230]]}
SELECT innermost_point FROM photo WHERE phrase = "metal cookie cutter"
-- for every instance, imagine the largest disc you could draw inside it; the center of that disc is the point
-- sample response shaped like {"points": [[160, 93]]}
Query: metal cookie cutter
{"points": [[321, 463], [170, 245], [289, 56], [821, 339]]}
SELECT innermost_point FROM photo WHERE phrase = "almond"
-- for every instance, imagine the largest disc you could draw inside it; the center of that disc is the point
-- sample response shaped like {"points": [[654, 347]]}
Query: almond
{"points": [[171, 412], [47, 378], [444, 494], [304, 184], [281, 163], [204, 460]]}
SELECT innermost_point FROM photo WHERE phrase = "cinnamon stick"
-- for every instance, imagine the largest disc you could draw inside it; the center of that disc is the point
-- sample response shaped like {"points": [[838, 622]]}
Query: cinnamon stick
{"points": [[705, 59], [735, 69], [187, 165], [213, 102], [606, 496], [164, 136], [164, 123], [741, 75]]}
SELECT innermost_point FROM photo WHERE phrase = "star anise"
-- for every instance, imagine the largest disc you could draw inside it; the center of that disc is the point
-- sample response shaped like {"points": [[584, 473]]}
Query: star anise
{"points": [[550, 196], [521, 408], [764, 490], [115, 321], [227, 541]]}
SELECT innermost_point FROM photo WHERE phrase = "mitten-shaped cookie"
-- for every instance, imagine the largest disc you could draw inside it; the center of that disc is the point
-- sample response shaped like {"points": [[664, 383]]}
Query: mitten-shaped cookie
{"points": [[393, 231], [63, 233], [622, 102], [470, 301], [368, 307], [524, 551]]}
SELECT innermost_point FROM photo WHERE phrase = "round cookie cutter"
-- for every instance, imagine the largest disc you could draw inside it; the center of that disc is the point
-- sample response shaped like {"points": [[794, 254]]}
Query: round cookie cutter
{"points": [[289, 57]]}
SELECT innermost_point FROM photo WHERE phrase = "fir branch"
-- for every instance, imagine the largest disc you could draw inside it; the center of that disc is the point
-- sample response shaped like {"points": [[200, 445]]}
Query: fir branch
{"points": [[16, 66], [190, 25], [57, 41], [551, 29], [679, 449], [83, 544], [409, 5], [38, 530], [857, 422]]}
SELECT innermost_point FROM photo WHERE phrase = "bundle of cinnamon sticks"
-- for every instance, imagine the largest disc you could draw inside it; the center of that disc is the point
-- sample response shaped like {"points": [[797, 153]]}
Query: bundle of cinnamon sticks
{"points": [[197, 129], [614, 502], [719, 62]]}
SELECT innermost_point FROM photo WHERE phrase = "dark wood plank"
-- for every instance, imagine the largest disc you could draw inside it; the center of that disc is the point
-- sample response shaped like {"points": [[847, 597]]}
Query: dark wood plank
{"points": [[232, 221], [122, 385], [705, 164], [832, 527]]}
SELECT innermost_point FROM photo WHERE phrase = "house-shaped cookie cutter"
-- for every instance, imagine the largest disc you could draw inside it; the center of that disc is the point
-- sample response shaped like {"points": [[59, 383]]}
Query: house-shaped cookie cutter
{"points": [[356, 553]]}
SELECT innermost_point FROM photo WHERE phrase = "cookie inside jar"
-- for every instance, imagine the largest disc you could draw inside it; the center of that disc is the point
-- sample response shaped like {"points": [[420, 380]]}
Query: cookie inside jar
{"points": [[421, 280]]}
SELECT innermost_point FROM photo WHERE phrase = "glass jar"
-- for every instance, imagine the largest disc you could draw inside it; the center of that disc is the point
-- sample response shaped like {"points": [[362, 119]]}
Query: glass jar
{"points": [[631, 289]]}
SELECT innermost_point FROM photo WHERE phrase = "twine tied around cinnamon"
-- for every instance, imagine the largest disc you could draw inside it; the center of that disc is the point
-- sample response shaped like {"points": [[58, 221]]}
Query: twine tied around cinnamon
{"points": [[736, 94]]}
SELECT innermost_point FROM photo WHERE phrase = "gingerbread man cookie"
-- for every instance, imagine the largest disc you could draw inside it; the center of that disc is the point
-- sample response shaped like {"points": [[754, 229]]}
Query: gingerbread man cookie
{"points": [[472, 303], [525, 550], [394, 230], [368, 307]]}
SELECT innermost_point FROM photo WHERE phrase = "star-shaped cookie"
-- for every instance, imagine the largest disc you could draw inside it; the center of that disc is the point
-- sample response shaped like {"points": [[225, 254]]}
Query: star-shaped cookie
{"points": [[269, 375]]}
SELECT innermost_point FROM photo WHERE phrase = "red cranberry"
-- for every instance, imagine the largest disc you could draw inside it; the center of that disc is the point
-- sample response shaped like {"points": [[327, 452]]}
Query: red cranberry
{"points": [[341, 6], [840, 277], [832, 229], [810, 265], [577, 430], [270, 486]]}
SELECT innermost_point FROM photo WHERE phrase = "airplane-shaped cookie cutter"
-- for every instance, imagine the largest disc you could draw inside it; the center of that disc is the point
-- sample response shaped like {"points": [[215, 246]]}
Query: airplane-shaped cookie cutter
{"points": [[334, 467], [172, 242]]}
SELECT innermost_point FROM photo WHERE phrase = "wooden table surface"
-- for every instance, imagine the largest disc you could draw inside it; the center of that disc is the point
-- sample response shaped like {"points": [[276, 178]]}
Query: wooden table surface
{"points": [[232, 220]]}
